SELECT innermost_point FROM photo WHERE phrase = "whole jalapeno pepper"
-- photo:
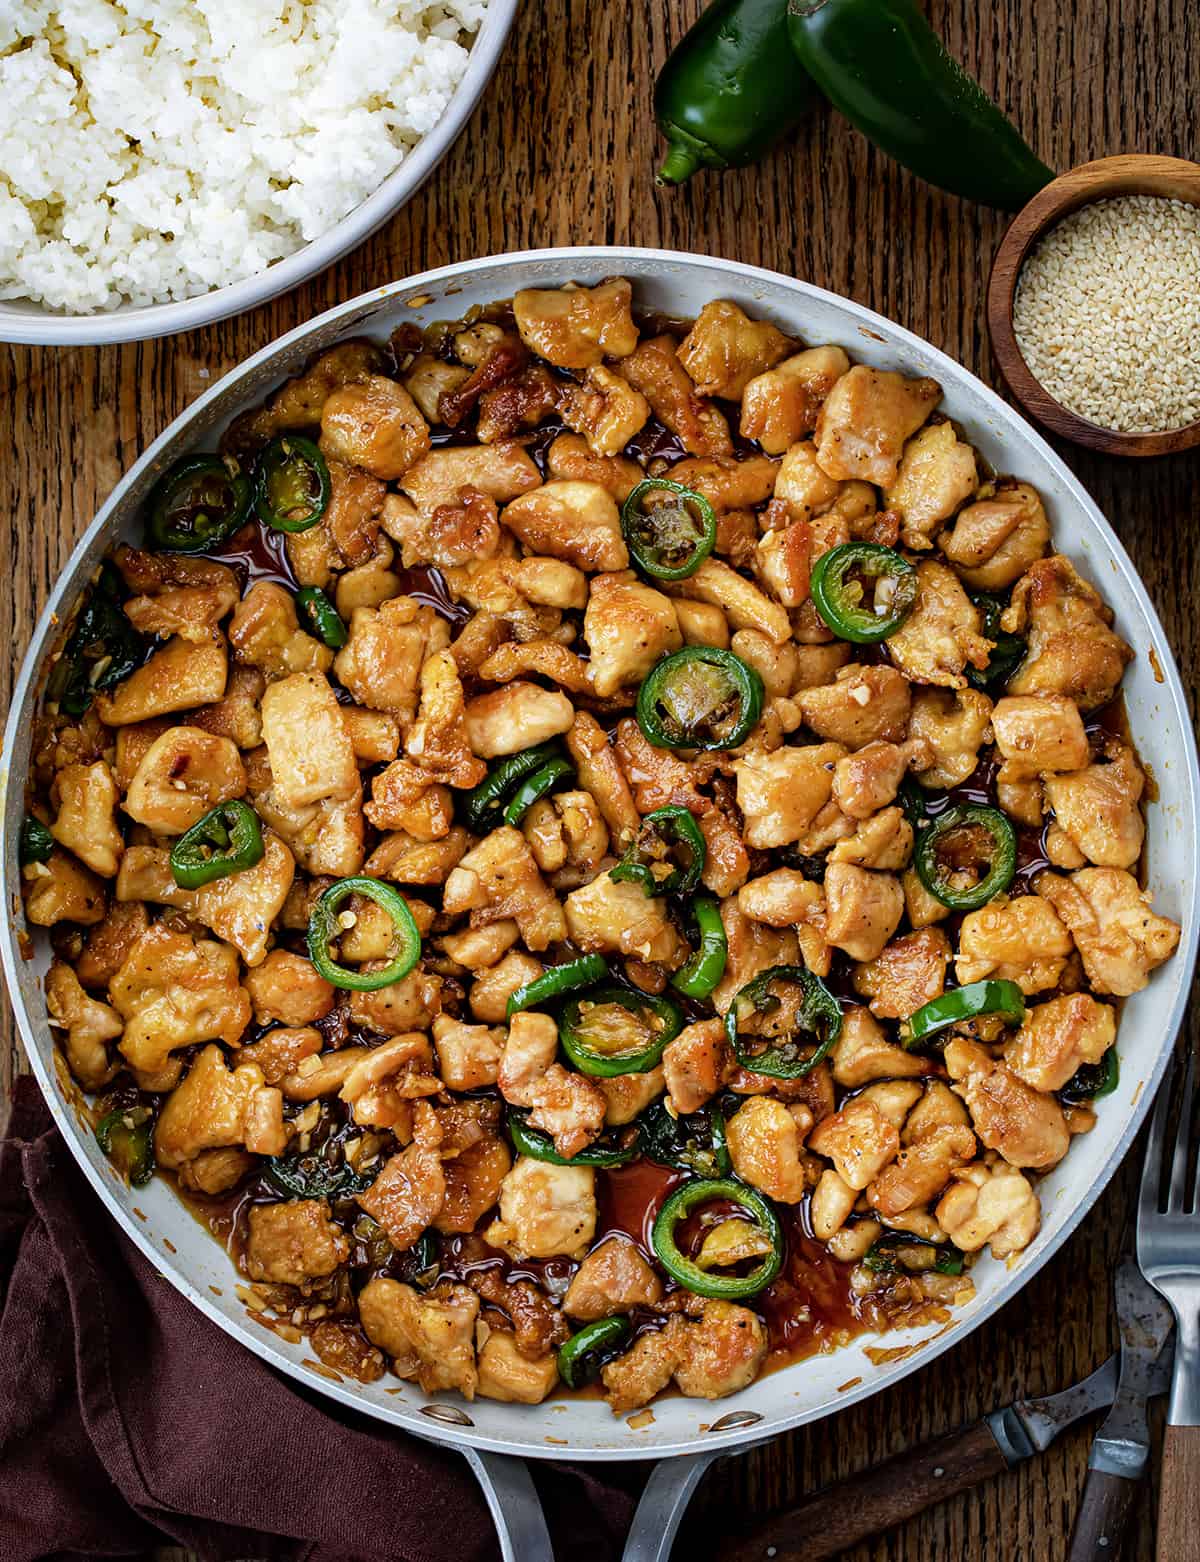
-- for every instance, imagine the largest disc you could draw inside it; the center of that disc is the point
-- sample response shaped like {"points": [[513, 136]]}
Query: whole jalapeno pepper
{"points": [[960, 1005], [692, 1196], [579, 1359], [324, 927], [863, 591], [953, 848], [700, 698], [612, 1030], [292, 486], [197, 504], [227, 840], [322, 617], [660, 829], [814, 1023], [698, 977], [672, 538]]}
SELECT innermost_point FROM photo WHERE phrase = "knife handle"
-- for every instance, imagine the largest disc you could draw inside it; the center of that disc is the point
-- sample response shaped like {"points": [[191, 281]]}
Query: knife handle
{"points": [[1179, 1495], [1100, 1522], [839, 1516]]}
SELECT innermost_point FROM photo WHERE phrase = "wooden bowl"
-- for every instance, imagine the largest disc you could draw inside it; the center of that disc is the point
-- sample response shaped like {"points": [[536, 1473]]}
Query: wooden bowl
{"points": [[1110, 176]]}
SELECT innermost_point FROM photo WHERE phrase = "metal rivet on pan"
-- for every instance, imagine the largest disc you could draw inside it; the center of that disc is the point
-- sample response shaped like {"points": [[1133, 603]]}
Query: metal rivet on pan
{"points": [[448, 1413], [734, 1419]]}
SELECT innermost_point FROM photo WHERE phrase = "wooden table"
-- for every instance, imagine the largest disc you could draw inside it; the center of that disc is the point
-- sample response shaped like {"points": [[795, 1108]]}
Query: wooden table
{"points": [[562, 151]]}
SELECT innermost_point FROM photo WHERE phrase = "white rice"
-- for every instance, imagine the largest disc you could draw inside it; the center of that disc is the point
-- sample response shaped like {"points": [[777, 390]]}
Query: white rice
{"points": [[156, 149]]}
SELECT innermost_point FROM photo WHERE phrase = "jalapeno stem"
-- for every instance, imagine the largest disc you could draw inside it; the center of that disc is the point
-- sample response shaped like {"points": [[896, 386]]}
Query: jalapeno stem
{"points": [[324, 927], [680, 1204]]}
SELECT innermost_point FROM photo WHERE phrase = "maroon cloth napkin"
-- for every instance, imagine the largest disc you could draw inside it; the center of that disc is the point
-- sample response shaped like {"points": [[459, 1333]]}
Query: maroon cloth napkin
{"points": [[129, 1421]]}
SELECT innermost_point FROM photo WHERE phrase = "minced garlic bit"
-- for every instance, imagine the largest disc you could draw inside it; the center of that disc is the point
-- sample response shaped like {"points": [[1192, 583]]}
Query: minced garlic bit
{"points": [[1107, 313]]}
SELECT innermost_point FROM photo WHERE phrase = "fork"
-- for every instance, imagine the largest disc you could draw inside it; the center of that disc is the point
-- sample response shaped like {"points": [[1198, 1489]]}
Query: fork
{"points": [[1168, 1248]]}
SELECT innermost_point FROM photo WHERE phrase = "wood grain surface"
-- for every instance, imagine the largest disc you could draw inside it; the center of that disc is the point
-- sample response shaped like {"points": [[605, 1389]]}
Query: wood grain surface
{"points": [[561, 151]]}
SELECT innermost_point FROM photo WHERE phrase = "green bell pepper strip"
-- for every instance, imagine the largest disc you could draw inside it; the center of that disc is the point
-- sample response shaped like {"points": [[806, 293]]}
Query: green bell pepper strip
{"points": [[706, 967], [35, 842], [578, 1359], [960, 1005], [313, 1176], [880, 1256], [323, 928], [196, 505], [484, 804], [680, 1204], [321, 616], [695, 1143], [227, 840], [126, 1136], [580, 1026], [841, 598], [1008, 651], [650, 847], [881, 65], [818, 1023], [1090, 1081], [730, 89], [291, 487], [669, 541], [102, 649], [555, 981], [540, 1147], [970, 821], [536, 786], [701, 698]]}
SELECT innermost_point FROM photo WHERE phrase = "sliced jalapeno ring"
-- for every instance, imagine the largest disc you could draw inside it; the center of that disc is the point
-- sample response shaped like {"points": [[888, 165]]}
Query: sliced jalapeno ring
{"points": [[200, 502], [1090, 1081], [700, 698], [484, 805], [651, 849], [706, 967], [692, 1196], [978, 841], [863, 591], [579, 1359], [35, 842], [292, 487], [126, 1136], [324, 927], [555, 981], [673, 537], [611, 1030], [813, 1024], [321, 616], [536, 786], [540, 1147], [883, 1253], [694, 1143], [227, 840], [961, 1004], [1008, 651]]}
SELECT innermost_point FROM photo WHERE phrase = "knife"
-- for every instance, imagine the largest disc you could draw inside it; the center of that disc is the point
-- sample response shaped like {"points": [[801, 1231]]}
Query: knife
{"points": [[1121, 1448], [840, 1516]]}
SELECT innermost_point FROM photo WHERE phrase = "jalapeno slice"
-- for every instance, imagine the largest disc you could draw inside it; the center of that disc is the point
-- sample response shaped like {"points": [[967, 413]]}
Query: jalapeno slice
{"points": [[227, 840], [672, 537], [962, 1004], [863, 591], [883, 1255], [324, 927], [321, 616], [579, 1359], [706, 967], [557, 980], [197, 504], [612, 1030], [807, 1019], [314, 1175], [484, 805], [1090, 1081], [536, 786], [700, 698], [647, 861], [102, 649], [967, 856], [1008, 651], [692, 1196], [695, 1143], [126, 1135], [291, 486], [604, 1152], [35, 842]]}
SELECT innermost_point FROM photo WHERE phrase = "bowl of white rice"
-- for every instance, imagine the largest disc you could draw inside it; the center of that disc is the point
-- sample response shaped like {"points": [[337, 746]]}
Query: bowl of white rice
{"points": [[168, 163]]}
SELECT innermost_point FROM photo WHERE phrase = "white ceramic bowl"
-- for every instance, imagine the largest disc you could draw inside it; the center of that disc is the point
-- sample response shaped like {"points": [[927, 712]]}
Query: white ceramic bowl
{"points": [[675, 285], [24, 321]]}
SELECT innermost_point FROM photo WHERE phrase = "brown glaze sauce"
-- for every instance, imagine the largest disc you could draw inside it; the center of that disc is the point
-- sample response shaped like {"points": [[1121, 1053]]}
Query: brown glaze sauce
{"points": [[255, 553]]}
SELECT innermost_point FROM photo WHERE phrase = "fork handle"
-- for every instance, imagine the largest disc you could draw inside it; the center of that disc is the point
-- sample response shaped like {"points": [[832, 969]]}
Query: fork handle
{"points": [[1179, 1496], [1100, 1522]]}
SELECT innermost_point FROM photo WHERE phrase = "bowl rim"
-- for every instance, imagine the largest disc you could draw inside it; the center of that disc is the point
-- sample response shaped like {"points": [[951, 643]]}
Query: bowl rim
{"points": [[352, 313], [38, 327]]}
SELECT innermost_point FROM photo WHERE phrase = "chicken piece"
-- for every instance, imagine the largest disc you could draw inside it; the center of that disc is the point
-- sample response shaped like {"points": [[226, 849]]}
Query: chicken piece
{"points": [[437, 740], [430, 1336], [174, 991], [516, 717], [628, 627], [351, 520], [506, 1375], [545, 1210], [657, 776], [1097, 807], [183, 674], [1023, 1125], [818, 664], [742, 603], [468, 1056], [474, 1178], [547, 658], [862, 909], [374, 737], [804, 488], [479, 947], [409, 1192], [729, 483], [87, 816], [500, 471], [832, 1201], [325, 838], [405, 799], [370, 584], [626, 1096], [694, 1065], [605, 409], [750, 948], [381, 661], [782, 405], [1020, 940], [781, 794], [449, 535], [216, 1107], [725, 350], [858, 1139], [907, 973], [236, 717], [865, 421], [183, 774], [782, 898], [146, 875], [1072, 650], [381, 1085], [1058, 1037], [995, 541], [565, 1105], [89, 1026], [601, 776], [492, 989], [1119, 938], [993, 1203], [297, 403], [620, 918], [700, 623], [727, 862], [783, 559], [613, 1278], [867, 780], [580, 836], [576, 327], [518, 403], [265, 633], [571, 459], [764, 1145], [374, 424], [576, 521], [106, 947], [293, 1242], [174, 594], [863, 1053], [1037, 734], [312, 757], [427, 377], [409, 1004], [942, 633], [241, 908], [498, 880], [937, 473], [281, 1051], [551, 583], [722, 1353], [950, 726], [213, 1172], [863, 705], [921, 1171], [644, 1370]]}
